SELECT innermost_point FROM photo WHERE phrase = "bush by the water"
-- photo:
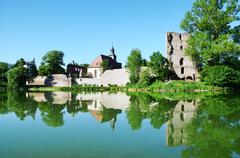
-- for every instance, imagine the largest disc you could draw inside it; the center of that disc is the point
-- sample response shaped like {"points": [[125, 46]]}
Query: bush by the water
{"points": [[221, 76]]}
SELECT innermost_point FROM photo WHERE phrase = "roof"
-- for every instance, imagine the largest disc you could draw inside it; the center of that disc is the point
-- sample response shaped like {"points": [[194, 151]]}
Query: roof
{"points": [[74, 65], [98, 61]]}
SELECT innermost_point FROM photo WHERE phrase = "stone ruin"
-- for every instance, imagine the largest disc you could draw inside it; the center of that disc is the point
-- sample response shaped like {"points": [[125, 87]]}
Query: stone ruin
{"points": [[183, 66]]}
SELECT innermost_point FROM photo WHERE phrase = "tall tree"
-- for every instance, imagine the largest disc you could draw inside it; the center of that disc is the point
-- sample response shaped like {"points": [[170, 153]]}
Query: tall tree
{"points": [[210, 23], [105, 65], [17, 77], [159, 66], [134, 65], [52, 63], [20, 63], [3, 73]]}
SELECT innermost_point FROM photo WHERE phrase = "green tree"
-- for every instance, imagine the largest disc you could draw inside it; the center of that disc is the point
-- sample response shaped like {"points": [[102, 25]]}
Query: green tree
{"points": [[20, 63], [32, 70], [17, 77], [105, 65], [212, 34], [52, 63], [146, 78], [159, 65], [134, 63], [3, 73], [222, 76]]}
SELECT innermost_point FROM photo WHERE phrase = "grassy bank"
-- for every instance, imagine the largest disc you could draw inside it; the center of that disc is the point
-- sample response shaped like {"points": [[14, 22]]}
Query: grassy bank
{"points": [[173, 86], [80, 88]]}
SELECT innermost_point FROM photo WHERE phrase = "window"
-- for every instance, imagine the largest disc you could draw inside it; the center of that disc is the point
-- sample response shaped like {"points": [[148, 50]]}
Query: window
{"points": [[95, 73], [182, 70], [181, 61], [182, 107], [181, 47], [182, 117], [180, 37]]}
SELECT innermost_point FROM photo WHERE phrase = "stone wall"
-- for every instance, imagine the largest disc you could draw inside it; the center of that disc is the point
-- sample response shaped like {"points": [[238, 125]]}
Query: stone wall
{"points": [[56, 80], [182, 64], [38, 81], [118, 77]]}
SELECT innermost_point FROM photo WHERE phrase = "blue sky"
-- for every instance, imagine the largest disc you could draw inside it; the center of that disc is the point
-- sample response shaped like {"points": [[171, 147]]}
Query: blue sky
{"points": [[83, 29]]}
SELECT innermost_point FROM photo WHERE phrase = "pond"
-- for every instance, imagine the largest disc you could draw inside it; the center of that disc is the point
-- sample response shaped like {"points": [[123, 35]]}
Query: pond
{"points": [[119, 125]]}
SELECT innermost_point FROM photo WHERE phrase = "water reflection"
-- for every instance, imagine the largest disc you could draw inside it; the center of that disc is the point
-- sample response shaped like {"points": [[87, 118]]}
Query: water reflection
{"points": [[206, 126]]}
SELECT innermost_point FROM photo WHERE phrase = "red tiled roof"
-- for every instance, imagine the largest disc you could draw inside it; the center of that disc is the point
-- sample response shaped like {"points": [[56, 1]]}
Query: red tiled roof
{"points": [[98, 61]]}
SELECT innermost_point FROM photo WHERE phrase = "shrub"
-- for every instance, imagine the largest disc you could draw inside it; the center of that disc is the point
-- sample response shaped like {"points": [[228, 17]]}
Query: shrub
{"points": [[146, 78], [222, 76]]}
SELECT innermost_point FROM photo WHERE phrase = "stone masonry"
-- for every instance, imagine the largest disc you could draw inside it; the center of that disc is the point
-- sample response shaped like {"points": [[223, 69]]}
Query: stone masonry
{"points": [[182, 64]]}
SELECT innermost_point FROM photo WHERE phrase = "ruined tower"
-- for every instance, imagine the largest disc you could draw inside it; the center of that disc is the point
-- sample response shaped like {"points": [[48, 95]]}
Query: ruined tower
{"points": [[182, 64]]}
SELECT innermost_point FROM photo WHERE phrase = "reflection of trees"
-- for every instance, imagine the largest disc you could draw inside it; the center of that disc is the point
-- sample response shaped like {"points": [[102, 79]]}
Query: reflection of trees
{"points": [[20, 105], [76, 106], [214, 131], [134, 114], [52, 114], [161, 113], [144, 106], [3, 103]]}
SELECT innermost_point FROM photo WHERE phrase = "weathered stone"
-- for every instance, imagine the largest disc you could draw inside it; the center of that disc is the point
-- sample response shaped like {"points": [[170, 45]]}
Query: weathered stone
{"points": [[182, 64]]}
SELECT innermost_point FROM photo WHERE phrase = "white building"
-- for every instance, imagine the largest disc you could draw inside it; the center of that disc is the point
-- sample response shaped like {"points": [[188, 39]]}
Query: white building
{"points": [[95, 68]]}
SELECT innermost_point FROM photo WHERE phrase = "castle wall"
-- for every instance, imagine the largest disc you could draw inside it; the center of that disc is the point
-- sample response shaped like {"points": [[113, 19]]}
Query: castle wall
{"points": [[182, 64], [56, 80]]}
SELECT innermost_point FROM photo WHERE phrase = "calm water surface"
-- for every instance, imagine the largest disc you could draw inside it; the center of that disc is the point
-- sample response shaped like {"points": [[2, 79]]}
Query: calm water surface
{"points": [[119, 125]]}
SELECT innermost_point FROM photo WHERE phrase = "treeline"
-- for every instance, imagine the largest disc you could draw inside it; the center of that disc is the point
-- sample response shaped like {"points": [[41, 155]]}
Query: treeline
{"points": [[15, 76]]}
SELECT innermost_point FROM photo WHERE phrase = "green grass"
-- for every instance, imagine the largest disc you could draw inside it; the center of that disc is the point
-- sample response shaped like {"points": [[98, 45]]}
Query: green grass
{"points": [[80, 88], [171, 86], [176, 86]]}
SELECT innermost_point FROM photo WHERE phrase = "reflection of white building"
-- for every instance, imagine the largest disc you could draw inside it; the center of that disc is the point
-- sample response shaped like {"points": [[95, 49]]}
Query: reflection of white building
{"points": [[95, 101], [54, 97], [108, 100], [182, 116]]}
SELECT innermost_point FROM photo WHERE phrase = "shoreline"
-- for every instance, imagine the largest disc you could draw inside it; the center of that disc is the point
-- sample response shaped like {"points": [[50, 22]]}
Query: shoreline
{"points": [[159, 87]]}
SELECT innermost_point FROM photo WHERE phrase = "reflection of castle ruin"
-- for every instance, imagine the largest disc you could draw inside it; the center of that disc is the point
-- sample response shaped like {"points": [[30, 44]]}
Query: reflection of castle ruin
{"points": [[182, 115]]}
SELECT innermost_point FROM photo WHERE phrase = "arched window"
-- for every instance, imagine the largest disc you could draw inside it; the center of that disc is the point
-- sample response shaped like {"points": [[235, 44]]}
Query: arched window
{"points": [[181, 61]]}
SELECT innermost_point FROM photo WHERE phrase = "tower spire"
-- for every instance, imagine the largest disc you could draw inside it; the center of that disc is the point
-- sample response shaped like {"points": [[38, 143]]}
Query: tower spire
{"points": [[112, 53]]}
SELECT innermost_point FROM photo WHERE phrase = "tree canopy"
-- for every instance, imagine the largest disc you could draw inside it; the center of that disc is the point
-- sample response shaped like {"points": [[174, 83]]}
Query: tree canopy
{"points": [[159, 66], [17, 77], [134, 63], [105, 65], [213, 39], [3, 72], [52, 63]]}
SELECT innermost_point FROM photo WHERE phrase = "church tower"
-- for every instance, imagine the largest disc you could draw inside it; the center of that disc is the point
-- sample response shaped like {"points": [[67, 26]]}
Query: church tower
{"points": [[112, 54]]}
